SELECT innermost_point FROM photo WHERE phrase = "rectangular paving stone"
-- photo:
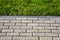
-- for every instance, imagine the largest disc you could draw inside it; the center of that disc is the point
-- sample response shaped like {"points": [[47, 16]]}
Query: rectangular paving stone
{"points": [[21, 18], [15, 21], [49, 21], [14, 27], [1, 24], [31, 38], [55, 31], [59, 34], [30, 18], [26, 21], [55, 25], [58, 28], [26, 34], [19, 30], [38, 34], [8, 24], [44, 31], [21, 24], [57, 21], [43, 24], [38, 21], [38, 27], [2, 34], [26, 27], [7, 30], [52, 34], [56, 38], [10, 17], [6, 38], [32, 24], [1, 18], [43, 18], [50, 28], [1, 21], [3, 27], [54, 18], [32, 30], [18, 38], [12, 34], [45, 38]]}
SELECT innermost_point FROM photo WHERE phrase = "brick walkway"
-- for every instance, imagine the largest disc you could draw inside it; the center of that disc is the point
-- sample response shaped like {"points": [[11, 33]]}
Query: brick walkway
{"points": [[29, 28]]}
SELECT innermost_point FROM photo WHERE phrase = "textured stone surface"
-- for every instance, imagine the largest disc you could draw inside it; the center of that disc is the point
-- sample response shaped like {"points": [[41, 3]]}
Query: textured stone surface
{"points": [[29, 28], [45, 38]]}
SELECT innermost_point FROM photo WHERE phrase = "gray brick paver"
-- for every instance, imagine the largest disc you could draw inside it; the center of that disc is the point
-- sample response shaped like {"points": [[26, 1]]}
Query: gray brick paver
{"points": [[29, 28]]}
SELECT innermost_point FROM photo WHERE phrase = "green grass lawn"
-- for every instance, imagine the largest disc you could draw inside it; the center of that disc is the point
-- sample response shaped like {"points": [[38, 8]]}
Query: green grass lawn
{"points": [[30, 7]]}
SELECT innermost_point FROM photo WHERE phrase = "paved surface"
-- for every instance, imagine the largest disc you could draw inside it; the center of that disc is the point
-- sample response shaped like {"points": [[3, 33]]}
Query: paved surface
{"points": [[29, 28]]}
